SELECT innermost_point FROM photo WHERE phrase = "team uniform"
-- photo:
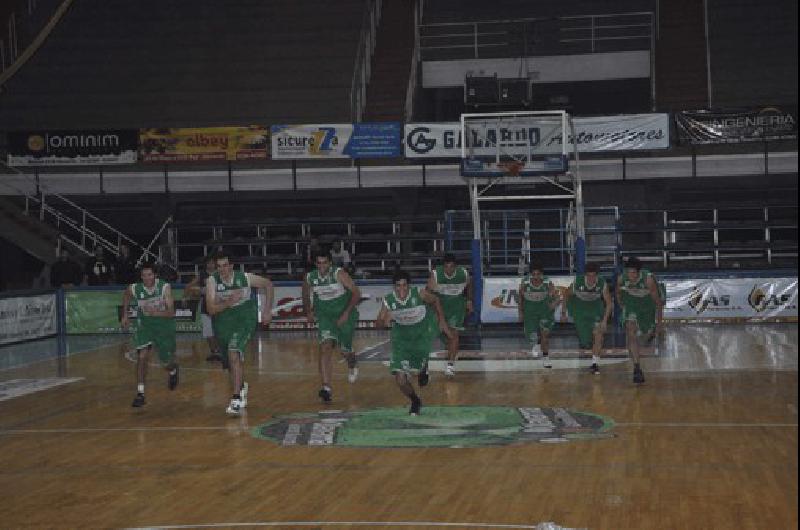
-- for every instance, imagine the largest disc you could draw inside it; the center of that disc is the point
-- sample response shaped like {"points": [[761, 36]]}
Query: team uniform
{"points": [[151, 330], [538, 314], [450, 290], [234, 326], [330, 300], [638, 305], [587, 308], [413, 329]]}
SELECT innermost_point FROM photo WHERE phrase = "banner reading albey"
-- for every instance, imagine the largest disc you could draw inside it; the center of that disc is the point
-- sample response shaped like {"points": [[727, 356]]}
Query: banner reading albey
{"points": [[204, 144]]}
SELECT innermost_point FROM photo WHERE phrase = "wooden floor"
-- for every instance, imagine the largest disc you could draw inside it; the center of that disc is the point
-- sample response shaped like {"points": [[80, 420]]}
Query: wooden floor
{"points": [[710, 441]]}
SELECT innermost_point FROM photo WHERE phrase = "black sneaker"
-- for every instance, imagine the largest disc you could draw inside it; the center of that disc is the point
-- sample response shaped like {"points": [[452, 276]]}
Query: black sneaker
{"points": [[138, 401], [638, 376], [172, 382], [325, 394], [423, 378], [214, 358], [416, 405], [595, 369]]}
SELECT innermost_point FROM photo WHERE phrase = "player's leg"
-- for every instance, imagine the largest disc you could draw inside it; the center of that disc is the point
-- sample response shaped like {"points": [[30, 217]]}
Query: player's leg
{"points": [[325, 367], [404, 384], [632, 338], [142, 359]]}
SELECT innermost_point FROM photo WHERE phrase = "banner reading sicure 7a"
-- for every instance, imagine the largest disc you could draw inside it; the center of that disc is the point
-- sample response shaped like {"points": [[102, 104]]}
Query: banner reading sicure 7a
{"points": [[90, 312]]}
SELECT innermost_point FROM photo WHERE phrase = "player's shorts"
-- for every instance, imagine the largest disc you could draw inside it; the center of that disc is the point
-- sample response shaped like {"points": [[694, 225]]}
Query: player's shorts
{"points": [[341, 335], [161, 337]]}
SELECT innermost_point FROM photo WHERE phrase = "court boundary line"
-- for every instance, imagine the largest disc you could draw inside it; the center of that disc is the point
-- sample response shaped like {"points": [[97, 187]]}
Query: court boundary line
{"points": [[348, 523]]}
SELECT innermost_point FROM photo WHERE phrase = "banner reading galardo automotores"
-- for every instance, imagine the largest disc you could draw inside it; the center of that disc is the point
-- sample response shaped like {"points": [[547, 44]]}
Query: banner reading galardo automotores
{"points": [[338, 140], [632, 132], [27, 317], [72, 147], [203, 144], [732, 299]]}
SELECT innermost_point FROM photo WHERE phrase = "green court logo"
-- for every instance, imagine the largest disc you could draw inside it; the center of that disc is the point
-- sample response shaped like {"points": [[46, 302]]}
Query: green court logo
{"points": [[436, 427]]}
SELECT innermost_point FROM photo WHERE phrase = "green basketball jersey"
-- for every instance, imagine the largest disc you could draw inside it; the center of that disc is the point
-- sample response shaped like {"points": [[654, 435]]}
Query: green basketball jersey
{"points": [[330, 297], [635, 293], [450, 290], [412, 319], [224, 291], [150, 300], [588, 296], [536, 298]]}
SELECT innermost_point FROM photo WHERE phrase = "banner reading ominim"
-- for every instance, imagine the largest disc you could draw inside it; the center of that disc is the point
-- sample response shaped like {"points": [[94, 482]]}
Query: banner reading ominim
{"points": [[70, 148]]}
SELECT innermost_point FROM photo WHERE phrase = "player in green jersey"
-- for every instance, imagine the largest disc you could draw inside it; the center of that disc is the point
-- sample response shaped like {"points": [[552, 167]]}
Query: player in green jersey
{"points": [[235, 317], [637, 293], [155, 326], [335, 297], [538, 300], [414, 326], [453, 285], [588, 301]]}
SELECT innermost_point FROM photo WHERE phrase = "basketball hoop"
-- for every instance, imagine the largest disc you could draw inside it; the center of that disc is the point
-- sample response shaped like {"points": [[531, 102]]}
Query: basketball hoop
{"points": [[511, 168]]}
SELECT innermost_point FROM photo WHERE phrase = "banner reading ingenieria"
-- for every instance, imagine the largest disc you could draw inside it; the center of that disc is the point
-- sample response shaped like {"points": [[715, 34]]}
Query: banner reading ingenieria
{"points": [[343, 140], [751, 125], [203, 144]]}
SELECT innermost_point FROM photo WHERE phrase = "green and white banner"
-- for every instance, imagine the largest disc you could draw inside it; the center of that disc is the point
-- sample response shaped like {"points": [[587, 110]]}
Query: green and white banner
{"points": [[90, 312]]}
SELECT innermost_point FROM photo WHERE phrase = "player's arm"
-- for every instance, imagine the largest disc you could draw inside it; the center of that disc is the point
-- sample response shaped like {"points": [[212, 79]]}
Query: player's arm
{"points": [[468, 294], [126, 302], [568, 293], [431, 285], [609, 305], [618, 292], [169, 310], [653, 288], [214, 306], [554, 296], [192, 288], [433, 300], [308, 309], [355, 295], [259, 282], [521, 301], [384, 317]]}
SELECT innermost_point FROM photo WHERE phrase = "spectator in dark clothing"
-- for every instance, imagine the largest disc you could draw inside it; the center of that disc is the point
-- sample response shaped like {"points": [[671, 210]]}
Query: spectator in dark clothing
{"points": [[125, 267], [65, 272], [99, 270]]}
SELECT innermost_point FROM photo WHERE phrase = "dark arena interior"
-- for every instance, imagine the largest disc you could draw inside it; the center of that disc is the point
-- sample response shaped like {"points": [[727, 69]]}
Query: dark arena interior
{"points": [[398, 264]]}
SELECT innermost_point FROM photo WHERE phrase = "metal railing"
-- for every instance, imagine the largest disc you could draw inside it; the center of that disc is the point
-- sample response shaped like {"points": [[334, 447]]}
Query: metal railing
{"points": [[76, 225], [363, 63], [538, 36], [411, 88]]}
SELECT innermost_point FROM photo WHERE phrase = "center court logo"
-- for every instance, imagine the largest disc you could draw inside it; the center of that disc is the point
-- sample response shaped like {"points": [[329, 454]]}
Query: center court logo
{"points": [[436, 427]]}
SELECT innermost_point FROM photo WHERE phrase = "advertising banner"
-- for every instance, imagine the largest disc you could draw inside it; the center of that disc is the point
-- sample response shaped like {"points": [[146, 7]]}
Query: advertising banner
{"points": [[501, 298], [202, 144], [70, 148], [90, 312], [752, 125], [748, 299], [344, 140], [27, 317], [599, 134]]}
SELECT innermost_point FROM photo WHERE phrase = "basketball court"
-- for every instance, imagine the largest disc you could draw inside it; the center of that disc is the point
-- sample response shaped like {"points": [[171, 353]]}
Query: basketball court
{"points": [[709, 441]]}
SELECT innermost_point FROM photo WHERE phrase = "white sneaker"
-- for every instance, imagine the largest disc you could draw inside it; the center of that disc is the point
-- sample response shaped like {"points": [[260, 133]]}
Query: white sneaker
{"points": [[352, 374], [243, 393], [536, 351], [235, 408], [546, 361], [450, 370]]}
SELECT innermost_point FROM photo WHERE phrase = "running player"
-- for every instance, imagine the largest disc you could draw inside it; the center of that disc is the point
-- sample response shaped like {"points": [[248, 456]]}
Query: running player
{"points": [[235, 315], [588, 301], [335, 297], [452, 284], [638, 295], [538, 300], [407, 310], [155, 326]]}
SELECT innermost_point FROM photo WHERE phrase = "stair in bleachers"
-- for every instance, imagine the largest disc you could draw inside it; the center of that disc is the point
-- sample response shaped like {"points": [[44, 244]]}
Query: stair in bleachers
{"points": [[391, 63]]}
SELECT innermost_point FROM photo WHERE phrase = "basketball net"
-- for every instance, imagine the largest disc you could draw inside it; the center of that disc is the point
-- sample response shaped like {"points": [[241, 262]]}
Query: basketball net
{"points": [[511, 167]]}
